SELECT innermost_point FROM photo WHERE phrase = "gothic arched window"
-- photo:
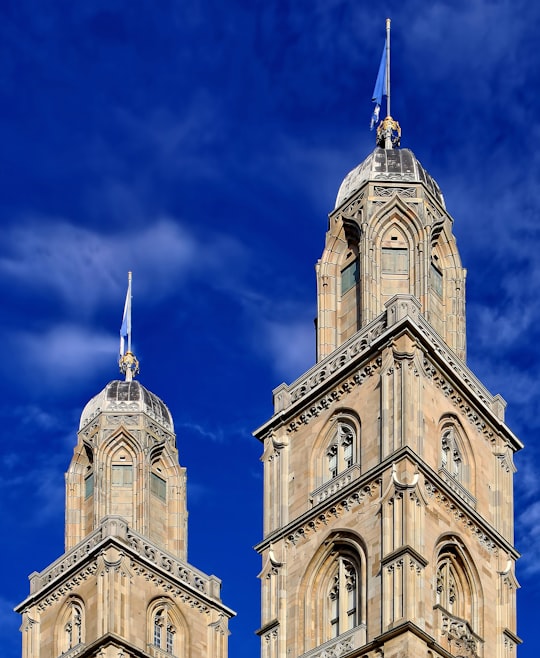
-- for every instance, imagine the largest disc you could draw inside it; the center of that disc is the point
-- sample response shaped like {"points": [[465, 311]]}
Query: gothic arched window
{"points": [[451, 456], [163, 631], [340, 453], [456, 600], [343, 597], [71, 627]]}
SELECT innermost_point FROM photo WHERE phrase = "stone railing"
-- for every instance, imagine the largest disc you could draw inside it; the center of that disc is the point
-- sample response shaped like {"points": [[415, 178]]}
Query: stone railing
{"points": [[285, 395], [339, 646], [199, 581], [335, 484], [457, 487], [66, 561], [114, 526], [458, 635], [397, 308]]}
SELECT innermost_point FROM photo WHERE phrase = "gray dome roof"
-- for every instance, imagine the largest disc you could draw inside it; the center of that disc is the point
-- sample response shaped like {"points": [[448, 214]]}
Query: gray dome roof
{"points": [[394, 165], [127, 397]]}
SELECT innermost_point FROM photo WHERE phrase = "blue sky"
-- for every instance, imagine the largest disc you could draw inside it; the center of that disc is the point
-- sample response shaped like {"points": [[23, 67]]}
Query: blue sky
{"points": [[201, 144]]}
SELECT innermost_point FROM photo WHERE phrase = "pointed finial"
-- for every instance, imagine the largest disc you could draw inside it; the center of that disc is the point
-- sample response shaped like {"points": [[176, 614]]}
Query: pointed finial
{"points": [[129, 365]]}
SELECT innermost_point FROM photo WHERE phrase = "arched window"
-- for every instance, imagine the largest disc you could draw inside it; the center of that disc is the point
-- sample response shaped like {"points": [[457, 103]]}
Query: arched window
{"points": [[340, 453], [334, 596], [456, 601], [343, 597], [451, 458], [71, 627], [164, 631]]}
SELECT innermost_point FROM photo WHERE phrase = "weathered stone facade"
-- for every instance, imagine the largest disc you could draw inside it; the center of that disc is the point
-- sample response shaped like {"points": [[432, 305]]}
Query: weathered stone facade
{"points": [[388, 496], [124, 588]]}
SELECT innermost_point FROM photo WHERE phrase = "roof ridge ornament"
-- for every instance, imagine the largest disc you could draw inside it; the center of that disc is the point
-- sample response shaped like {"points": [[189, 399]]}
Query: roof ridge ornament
{"points": [[129, 365]]}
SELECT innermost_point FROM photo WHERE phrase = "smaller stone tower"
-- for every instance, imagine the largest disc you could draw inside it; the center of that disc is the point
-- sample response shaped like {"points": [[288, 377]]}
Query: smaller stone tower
{"points": [[124, 588]]}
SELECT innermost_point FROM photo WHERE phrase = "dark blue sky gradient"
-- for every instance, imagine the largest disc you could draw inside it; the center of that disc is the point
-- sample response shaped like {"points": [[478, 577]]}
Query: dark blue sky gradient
{"points": [[201, 144]]}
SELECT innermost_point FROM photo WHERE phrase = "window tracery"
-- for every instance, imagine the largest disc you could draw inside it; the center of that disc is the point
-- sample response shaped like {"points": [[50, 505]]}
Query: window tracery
{"points": [[340, 453], [451, 458], [343, 597], [164, 631]]}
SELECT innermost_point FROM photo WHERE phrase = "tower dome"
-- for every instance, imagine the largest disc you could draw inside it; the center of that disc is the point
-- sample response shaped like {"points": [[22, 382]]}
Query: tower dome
{"points": [[127, 397], [394, 165]]}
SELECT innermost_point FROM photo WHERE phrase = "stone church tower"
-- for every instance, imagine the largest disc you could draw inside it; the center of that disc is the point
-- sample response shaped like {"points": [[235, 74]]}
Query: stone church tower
{"points": [[123, 588], [388, 467]]}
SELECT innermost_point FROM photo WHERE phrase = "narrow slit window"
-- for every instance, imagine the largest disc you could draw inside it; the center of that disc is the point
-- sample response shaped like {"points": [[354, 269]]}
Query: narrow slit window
{"points": [[88, 485], [158, 486], [349, 277], [437, 280]]}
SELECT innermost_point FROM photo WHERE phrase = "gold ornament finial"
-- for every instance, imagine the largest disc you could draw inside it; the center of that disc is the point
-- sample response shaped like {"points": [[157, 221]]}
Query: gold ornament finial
{"points": [[388, 133], [129, 365]]}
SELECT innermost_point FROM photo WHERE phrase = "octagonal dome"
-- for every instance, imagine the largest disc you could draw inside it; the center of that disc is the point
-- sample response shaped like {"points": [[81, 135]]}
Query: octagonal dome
{"points": [[394, 165], [127, 397]]}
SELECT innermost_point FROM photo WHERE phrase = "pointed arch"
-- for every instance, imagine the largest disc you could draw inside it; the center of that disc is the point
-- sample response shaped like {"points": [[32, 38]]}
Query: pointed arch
{"points": [[456, 457], [333, 591], [337, 448], [70, 630], [458, 596], [398, 238], [167, 630]]}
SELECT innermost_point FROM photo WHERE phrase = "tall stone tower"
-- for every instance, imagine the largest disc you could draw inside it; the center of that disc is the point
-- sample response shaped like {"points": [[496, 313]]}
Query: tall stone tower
{"points": [[124, 588], [388, 467]]}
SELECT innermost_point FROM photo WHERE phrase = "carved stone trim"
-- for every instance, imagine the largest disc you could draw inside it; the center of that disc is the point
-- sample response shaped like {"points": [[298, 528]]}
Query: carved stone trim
{"points": [[335, 362], [409, 192], [459, 515], [339, 646], [450, 392], [335, 395], [335, 484], [334, 512]]}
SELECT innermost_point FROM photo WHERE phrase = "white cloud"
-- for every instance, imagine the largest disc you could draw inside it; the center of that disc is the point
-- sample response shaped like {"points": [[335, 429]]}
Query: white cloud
{"points": [[63, 354], [291, 346]]}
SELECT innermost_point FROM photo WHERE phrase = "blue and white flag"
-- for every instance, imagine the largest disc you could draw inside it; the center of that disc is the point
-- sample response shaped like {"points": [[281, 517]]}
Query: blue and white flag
{"points": [[125, 329], [380, 90]]}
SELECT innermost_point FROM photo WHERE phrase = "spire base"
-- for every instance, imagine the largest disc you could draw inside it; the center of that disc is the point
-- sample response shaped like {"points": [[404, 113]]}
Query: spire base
{"points": [[388, 134], [129, 366]]}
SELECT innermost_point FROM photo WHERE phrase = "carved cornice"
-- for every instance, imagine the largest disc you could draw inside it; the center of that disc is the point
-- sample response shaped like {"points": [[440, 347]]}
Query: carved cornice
{"points": [[341, 645], [334, 511], [113, 546], [474, 417], [459, 514], [328, 400]]}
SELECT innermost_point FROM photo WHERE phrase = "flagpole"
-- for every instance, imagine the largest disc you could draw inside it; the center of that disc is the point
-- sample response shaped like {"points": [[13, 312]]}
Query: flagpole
{"points": [[129, 319], [388, 67]]}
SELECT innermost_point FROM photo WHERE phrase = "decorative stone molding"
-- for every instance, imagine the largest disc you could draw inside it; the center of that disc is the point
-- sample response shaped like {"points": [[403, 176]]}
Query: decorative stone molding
{"points": [[67, 587], [457, 487], [335, 395], [335, 484], [339, 646], [62, 565], [334, 512], [463, 642], [449, 391], [179, 570], [409, 192], [74, 651], [357, 345], [459, 515]]}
